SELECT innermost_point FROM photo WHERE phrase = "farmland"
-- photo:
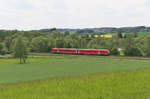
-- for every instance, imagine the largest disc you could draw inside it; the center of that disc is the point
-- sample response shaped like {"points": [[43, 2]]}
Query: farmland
{"points": [[41, 67], [75, 77]]}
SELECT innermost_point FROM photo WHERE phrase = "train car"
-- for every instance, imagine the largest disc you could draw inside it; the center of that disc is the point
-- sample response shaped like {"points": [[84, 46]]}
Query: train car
{"points": [[104, 52], [54, 50], [87, 51], [64, 50], [81, 51], [94, 51]]}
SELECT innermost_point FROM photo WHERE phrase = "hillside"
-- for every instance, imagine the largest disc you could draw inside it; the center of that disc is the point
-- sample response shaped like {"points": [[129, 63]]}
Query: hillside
{"points": [[103, 29]]}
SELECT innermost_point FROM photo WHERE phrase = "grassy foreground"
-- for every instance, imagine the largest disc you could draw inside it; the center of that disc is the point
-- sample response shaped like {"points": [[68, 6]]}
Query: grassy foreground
{"points": [[75, 77], [42, 67], [115, 85]]}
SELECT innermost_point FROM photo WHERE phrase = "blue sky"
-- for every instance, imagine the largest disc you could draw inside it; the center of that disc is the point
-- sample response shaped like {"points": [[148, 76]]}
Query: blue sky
{"points": [[38, 14]]}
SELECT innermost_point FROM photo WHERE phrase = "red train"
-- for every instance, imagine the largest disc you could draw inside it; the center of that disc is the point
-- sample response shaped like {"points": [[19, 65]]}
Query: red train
{"points": [[81, 51]]}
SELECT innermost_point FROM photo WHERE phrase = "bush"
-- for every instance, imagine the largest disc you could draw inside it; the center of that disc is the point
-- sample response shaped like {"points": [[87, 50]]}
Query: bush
{"points": [[114, 51], [3, 52], [1, 47], [133, 52]]}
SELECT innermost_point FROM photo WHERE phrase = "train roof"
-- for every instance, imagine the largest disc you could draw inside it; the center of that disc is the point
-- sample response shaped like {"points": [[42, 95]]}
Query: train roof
{"points": [[80, 49], [93, 49]]}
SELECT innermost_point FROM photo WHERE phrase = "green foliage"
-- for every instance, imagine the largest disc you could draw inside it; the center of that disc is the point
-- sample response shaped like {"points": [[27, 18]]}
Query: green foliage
{"points": [[114, 51], [66, 33], [8, 41], [147, 46], [3, 52], [45, 40], [1, 47], [133, 52], [20, 49], [40, 44], [120, 35], [59, 43], [92, 44], [140, 44], [83, 43], [130, 48]]}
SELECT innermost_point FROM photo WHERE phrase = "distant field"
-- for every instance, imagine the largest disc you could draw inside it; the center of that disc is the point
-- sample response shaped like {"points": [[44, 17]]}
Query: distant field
{"points": [[51, 66]]}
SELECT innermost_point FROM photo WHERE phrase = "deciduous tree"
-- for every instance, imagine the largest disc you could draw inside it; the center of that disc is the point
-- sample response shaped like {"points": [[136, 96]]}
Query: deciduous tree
{"points": [[20, 50]]}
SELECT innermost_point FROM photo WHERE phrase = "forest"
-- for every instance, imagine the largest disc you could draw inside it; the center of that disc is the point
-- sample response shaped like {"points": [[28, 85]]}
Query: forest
{"points": [[41, 41]]}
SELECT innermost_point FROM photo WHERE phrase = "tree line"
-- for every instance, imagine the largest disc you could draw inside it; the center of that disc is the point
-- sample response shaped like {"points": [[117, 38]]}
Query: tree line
{"points": [[37, 41], [137, 29]]}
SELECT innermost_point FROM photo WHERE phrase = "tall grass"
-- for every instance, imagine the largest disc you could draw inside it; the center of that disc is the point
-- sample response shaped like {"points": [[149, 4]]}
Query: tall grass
{"points": [[115, 85], [98, 77]]}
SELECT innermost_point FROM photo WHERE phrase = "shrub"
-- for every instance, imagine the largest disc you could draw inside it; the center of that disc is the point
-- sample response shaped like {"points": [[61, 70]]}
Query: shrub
{"points": [[114, 51], [133, 52], [3, 52]]}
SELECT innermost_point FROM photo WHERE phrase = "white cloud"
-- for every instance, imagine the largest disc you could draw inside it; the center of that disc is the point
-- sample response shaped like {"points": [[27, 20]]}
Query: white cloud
{"points": [[36, 14]]}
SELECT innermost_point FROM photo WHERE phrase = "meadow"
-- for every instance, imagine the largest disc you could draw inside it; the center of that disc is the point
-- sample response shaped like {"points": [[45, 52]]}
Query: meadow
{"points": [[49, 76]]}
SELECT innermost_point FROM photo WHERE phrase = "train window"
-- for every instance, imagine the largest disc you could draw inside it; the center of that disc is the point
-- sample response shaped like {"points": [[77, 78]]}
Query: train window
{"points": [[92, 51], [101, 51], [66, 50]]}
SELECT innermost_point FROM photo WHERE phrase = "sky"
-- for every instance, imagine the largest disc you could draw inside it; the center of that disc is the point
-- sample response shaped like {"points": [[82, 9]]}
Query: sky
{"points": [[39, 14]]}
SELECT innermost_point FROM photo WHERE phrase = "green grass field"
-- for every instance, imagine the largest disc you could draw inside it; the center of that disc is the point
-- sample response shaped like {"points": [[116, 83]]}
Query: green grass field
{"points": [[75, 77]]}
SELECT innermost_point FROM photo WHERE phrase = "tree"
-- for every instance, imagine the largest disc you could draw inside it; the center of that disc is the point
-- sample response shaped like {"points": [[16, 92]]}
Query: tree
{"points": [[8, 42], [92, 44], [140, 44], [53, 29], [1, 47], [40, 44], [120, 35], [114, 51], [147, 46], [66, 33], [83, 43], [59, 43], [20, 50], [129, 43], [130, 46]]}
